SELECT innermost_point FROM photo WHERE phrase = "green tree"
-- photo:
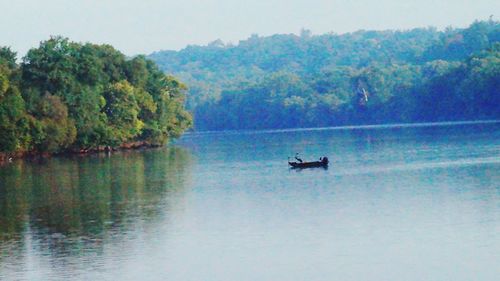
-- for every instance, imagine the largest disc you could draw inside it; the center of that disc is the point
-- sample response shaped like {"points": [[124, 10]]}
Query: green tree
{"points": [[14, 128], [122, 113]]}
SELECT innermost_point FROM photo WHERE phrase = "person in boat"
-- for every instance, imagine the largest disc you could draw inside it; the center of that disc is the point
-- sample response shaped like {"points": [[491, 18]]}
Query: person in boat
{"points": [[297, 158]]}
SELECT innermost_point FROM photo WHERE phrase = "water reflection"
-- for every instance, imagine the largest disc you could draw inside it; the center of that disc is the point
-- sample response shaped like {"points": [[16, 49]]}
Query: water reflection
{"points": [[394, 202], [64, 205]]}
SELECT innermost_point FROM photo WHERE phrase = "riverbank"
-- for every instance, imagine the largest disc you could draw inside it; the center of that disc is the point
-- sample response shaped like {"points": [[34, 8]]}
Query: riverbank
{"points": [[6, 157]]}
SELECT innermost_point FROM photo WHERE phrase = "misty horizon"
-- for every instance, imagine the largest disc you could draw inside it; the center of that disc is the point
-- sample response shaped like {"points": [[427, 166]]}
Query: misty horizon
{"points": [[145, 27], [218, 41]]}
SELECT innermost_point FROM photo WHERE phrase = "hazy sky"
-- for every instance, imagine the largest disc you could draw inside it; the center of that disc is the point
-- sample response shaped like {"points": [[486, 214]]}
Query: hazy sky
{"points": [[149, 25]]}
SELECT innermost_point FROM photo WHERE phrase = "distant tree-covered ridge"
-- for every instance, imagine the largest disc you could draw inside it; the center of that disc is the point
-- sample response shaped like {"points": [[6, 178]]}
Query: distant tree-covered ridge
{"points": [[365, 77], [67, 96]]}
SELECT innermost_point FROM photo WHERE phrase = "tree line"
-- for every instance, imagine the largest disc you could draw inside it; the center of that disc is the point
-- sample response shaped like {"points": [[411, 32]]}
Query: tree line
{"points": [[365, 77], [68, 96]]}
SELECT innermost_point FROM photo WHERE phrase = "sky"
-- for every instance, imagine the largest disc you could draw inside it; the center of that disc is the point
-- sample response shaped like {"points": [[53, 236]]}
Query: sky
{"points": [[142, 27]]}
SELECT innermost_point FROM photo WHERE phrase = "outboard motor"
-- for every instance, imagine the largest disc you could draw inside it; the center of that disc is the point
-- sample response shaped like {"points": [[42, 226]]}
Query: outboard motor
{"points": [[324, 160]]}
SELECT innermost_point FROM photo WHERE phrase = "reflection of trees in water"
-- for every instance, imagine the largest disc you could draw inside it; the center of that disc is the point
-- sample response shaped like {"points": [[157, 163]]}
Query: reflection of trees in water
{"points": [[14, 207], [67, 202]]}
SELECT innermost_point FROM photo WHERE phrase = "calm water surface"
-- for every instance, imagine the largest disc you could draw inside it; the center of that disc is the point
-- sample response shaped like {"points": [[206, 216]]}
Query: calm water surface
{"points": [[411, 203]]}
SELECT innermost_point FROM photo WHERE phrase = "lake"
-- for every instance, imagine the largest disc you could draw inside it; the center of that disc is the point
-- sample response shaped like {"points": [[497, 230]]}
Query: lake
{"points": [[396, 203]]}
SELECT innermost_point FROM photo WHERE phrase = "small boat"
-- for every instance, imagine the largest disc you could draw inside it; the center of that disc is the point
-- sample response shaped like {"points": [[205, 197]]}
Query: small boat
{"points": [[323, 162]]}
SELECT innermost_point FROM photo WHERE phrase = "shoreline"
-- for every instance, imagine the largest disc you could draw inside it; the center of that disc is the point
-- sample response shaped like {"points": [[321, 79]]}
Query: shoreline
{"points": [[8, 157]]}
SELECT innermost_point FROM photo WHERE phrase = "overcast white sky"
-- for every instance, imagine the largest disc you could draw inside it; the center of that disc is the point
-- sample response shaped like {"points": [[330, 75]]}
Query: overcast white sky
{"points": [[145, 26]]}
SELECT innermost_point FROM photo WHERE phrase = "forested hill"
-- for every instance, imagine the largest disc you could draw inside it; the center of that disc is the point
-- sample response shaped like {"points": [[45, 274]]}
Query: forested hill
{"points": [[67, 96], [364, 77]]}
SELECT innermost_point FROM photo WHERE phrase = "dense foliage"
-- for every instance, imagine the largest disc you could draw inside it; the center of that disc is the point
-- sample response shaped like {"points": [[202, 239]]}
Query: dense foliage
{"points": [[364, 77], [71, 96]]}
